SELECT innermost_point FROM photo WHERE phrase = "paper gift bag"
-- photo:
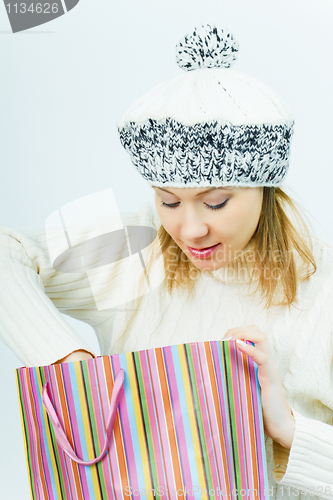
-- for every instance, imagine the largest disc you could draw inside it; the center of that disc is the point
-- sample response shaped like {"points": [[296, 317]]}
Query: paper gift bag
{"points": [[183, 421]]}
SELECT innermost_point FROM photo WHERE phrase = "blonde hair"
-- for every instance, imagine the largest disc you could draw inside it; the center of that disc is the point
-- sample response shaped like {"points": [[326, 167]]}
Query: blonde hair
{"points": [[276, 245]]}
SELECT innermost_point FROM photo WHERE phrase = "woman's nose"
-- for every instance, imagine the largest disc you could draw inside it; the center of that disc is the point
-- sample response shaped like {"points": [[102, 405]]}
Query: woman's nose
{"points": [[193, 227]]}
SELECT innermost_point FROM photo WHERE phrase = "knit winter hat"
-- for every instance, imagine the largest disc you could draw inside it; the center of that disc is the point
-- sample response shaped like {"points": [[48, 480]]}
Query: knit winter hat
{"points": [[211, 126]]}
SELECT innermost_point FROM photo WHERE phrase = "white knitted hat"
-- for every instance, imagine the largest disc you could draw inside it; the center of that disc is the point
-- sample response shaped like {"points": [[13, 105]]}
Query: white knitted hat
{"points": [[210, 126]]}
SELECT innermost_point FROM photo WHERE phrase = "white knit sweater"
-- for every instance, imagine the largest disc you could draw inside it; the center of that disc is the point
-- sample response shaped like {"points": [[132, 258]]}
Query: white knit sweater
{"points": [[301, 339]]}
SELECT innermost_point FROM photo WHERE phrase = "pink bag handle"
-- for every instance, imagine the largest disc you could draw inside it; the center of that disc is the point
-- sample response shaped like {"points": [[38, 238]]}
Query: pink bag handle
{"points": [[60, 435]]}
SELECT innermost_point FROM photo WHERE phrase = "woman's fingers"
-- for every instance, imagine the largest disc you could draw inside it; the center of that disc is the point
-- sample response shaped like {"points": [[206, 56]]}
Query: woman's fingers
{"points": [[258, 356], [278, 421], [251, 333], [260, 352], [266, 370]]}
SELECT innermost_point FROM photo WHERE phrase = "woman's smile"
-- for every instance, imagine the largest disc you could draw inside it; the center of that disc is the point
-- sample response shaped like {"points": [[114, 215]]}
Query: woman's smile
{"points": [[202, 252]]}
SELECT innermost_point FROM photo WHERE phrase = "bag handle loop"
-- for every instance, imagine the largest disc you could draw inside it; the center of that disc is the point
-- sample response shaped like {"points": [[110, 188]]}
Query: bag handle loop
{"points": [[60, 435]]}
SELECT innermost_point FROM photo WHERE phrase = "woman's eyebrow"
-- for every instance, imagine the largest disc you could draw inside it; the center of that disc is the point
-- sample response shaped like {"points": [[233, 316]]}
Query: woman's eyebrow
{"points": [[202, 192]]}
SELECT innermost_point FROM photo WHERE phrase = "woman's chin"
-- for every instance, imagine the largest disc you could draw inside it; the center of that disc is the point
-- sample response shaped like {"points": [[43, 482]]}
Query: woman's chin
{"points": [[206, 264]]}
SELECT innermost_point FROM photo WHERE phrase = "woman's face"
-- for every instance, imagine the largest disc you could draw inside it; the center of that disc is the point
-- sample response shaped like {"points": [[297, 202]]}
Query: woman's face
{"points": [[199, 218]]}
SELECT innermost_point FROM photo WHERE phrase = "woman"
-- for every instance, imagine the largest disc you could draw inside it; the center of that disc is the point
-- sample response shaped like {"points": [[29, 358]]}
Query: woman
{"points": [[239, 262]]}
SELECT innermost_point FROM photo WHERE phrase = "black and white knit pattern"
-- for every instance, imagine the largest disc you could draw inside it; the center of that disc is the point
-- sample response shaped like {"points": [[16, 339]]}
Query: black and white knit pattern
{"points": [[207, 47], [168, 153]]}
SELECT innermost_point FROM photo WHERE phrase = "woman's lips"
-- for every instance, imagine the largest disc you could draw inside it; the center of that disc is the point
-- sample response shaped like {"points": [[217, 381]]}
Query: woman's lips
{"points": [[203, 252]]}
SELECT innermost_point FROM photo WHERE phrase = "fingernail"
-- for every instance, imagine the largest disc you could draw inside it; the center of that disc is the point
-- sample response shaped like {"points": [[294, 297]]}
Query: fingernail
{"points": [[240, 342], [227, 338]]}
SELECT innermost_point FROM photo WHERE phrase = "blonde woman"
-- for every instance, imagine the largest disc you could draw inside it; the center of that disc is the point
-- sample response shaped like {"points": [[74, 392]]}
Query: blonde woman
{"points": [[239, 262]]}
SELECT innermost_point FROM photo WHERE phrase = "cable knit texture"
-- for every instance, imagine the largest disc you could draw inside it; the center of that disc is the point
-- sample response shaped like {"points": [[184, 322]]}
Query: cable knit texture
{"points": [[32, 293], [168, 153], [211, 126]]}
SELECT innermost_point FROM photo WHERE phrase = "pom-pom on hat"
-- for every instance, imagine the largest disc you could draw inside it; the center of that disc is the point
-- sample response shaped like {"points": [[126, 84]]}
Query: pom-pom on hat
{"points": [[210, 126]]}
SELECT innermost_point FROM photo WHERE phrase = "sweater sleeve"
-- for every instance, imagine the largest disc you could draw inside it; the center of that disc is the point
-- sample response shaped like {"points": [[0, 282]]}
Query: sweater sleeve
{"points": [[308, 465], [30, 324], [33, 295]]}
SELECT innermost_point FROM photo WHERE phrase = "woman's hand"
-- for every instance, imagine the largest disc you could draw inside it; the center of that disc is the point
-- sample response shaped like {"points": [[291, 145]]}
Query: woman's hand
{"points": [[277, 415], [74, 356]]}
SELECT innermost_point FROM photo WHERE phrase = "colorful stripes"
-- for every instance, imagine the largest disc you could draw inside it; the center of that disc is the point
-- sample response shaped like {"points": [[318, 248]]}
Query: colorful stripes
{"points": [[189, 425]]}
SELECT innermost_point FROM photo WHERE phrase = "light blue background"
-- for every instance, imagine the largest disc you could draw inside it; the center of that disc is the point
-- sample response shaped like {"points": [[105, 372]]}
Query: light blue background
{"points": [[65, 84]]}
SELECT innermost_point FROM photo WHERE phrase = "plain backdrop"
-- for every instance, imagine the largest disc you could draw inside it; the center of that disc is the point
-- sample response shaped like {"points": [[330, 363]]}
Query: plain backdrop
{"points": [[65, 84]]}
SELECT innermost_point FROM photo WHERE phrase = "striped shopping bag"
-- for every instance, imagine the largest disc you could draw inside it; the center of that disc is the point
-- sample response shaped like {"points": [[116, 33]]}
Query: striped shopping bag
{"points": [[183, 421]]}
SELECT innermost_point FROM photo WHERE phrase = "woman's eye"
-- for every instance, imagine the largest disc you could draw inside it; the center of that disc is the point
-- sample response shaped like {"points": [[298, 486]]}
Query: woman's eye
{"points": [[216, 207], [212, 207], [169, 205]]}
